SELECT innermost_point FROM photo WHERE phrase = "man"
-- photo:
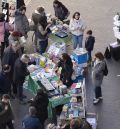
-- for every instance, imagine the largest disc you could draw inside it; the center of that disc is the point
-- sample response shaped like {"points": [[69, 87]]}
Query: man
{"points": [[9, 57], [20, 72], [21, 21], [5, 83], [31, 121], [6, 113], [39, 12]]}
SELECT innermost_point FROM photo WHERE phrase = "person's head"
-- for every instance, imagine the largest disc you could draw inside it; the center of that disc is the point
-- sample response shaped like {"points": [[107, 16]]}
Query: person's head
{"points": [[2, 17], [6, 68], [99, 56], [75, 123], [22, 9], [32, 111], [40, 9], [40, 92], [57, 3], [15, 45], [6, 98], [65, 57], [76, 15], [25, 58], [89, 32], [16, 34]]}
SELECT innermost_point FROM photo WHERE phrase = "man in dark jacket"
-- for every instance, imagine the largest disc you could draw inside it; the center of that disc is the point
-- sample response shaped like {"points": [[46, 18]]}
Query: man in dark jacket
{"points": [[5, 83], [40, 102], [31, 121], [9, 57], [6, 113], [20, 72], [39, 12], [89, 44]]}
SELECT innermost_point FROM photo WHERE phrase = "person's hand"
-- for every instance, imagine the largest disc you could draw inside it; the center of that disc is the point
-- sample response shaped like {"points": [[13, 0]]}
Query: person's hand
{"points": [[6, 107], [13, 121]]}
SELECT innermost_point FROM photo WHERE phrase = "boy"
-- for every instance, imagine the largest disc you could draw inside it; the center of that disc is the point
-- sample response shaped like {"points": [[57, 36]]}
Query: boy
{"points": [[89, 44]]}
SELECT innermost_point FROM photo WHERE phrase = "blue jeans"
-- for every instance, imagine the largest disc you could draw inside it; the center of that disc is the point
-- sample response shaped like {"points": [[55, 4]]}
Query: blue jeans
{"points": [[77, 40], [89, 56], [43, 46]]}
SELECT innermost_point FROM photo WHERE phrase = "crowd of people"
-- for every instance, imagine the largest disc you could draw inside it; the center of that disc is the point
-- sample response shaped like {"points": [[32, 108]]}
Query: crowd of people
{"points": [[14, 63]]}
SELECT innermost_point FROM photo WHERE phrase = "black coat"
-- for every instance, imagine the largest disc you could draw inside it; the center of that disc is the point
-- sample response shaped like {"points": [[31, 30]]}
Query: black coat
{"points": [[20, 72], [61, 12], [5, 83], [9, 57], [5, 115], [66, 72], [40, 102], [89, 43]]}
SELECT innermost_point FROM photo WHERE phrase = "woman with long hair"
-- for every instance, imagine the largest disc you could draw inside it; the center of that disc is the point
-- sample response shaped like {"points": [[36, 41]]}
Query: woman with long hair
{"points": [[61, 12], [67, 69], [97, 75]]}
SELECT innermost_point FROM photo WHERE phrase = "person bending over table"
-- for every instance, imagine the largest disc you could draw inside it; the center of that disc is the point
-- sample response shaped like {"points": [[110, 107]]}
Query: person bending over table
{"points": [[66, 69]]}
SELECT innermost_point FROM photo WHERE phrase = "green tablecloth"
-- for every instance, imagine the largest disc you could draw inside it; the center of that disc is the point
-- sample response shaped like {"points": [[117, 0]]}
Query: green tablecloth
{"points": [[67, 40], [33, 87]]}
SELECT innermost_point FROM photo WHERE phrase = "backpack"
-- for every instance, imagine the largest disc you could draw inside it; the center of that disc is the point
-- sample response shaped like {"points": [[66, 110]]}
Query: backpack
{"points": [[105, 71], [107, 54]]}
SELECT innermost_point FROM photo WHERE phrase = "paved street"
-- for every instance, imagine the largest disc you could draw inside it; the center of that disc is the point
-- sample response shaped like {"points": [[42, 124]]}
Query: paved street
{"points": [[98, 15]]}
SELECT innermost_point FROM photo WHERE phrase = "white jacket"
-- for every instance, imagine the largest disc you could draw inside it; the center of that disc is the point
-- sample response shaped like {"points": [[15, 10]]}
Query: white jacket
{"points": [[77, 27]]}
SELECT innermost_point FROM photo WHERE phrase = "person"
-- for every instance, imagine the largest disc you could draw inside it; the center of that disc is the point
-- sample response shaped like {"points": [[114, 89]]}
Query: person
{"points": [[5, 27], [61, 12], [42, 33], [77, 27], [6, 114], [89, 44], [97, 75], [16, 36], [67, 69], [5, 84], [21, 21], [40, 102], [40, 11], [9, 57], [31, 121], [20, 72], [78, 123], [20, 3]]}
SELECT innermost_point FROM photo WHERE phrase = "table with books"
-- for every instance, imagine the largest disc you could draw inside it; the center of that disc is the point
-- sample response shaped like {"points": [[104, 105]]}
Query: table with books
{"points": [[43, 76]]}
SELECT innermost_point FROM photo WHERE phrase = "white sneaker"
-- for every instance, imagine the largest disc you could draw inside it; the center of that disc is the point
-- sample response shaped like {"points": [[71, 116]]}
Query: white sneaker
{"points": [[95, 101], [101, 98]]}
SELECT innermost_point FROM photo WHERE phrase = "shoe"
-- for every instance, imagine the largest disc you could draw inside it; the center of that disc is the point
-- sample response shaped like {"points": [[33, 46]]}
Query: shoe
{"points": [[22, 102], [12, 96], [24, 96], [96, 101], [101, 98]]}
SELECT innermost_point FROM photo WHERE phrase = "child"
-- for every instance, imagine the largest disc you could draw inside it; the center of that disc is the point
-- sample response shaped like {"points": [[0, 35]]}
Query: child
{"points": [[89, 44]]}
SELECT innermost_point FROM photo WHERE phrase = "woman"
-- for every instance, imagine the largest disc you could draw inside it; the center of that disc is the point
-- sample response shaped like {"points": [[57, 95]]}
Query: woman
{"points": [[42, 33], [40, 102], [77, 28], [67, 69], [61, 12], [4, 32], [97, 75], [21, 21]]}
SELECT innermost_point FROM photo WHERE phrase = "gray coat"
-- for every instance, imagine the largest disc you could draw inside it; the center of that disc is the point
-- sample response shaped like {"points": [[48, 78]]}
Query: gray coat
{"points": [[97, 73], [21, 23]]}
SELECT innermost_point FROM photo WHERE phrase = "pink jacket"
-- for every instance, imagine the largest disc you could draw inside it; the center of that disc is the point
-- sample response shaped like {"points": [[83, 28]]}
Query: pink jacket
{"points": [[8, 27]]}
